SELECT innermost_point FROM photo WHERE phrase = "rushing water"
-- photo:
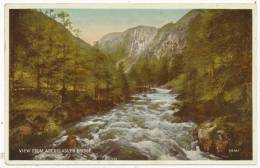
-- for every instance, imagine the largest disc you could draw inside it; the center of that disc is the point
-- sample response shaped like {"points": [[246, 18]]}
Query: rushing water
{"points": [[140, 129]]}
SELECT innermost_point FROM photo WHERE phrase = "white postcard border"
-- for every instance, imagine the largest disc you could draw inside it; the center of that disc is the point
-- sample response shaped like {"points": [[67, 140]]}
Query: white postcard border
{"points": [[132, 6]]}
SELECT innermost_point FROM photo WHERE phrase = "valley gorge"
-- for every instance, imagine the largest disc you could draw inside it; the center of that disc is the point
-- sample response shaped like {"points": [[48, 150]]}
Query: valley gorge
{"points": [[178, 92]]}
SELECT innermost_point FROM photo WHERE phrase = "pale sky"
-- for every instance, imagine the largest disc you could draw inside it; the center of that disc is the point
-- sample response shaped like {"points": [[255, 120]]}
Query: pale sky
{"points": [[95, 23]]}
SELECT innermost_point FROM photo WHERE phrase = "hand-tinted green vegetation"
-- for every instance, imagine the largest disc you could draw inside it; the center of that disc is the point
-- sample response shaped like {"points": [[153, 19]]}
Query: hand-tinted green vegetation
{"points": [[56, 78], [215, 80], [213, 77]]}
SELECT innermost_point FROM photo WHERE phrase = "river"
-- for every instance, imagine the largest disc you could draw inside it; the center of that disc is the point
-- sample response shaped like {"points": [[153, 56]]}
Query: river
{"points": [[142, 129]]}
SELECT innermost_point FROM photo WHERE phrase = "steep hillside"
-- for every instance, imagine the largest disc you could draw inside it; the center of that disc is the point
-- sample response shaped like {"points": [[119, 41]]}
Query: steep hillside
{"points": [[172, 37], [214, 82], [128, 45], [132, 41], [55, 78]]}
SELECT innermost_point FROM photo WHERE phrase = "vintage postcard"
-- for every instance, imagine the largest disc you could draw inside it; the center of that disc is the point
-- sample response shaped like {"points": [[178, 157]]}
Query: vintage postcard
{"points": [[130, 83]]}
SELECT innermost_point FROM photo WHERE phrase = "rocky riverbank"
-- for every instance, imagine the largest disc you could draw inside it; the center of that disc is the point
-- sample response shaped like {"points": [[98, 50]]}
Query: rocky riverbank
{"points": [[228, 137]]}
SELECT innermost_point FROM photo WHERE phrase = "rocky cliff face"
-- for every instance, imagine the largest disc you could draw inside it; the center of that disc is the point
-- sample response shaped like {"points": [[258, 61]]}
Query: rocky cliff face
{"points": [[133, 41], [171, 38], [110, 42], [148, 41], [127, 46]]}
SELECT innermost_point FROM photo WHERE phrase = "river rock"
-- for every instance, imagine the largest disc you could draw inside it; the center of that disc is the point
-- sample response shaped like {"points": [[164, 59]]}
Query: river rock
{"points": [[177, 152], [71, 142], [204, 135], [119, 150], [214, 138], [221, 147], [228, 137]]}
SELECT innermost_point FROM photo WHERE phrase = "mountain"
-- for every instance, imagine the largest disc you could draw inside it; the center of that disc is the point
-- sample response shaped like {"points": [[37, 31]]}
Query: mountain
{"points": [[172, 37], [134, 40], [129, 45]]}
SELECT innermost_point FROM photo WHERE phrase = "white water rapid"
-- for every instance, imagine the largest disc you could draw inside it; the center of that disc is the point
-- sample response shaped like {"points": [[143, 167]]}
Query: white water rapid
{"points": [[142, 129]]}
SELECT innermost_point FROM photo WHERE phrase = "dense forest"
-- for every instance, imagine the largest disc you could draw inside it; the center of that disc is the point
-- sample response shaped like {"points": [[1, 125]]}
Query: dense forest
{"points": [[56, 78], [215, 78]]}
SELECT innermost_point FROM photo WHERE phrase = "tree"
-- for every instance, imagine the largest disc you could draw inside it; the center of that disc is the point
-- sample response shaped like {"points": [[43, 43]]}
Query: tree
{"points": [[163, 70], [65, 49], [123, 80], [176, 65]]}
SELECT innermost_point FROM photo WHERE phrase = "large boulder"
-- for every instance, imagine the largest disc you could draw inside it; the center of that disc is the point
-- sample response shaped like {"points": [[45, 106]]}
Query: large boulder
{"points": [[205, 136], [226, 137]]}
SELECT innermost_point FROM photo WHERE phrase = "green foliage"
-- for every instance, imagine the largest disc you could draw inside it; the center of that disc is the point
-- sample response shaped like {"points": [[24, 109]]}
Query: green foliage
{"points": [[233, 95], [52, 129], [54, 74], [122, 79], [150, 71], [216, 75], [177, 83], [30, 103], [58, 59]]}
